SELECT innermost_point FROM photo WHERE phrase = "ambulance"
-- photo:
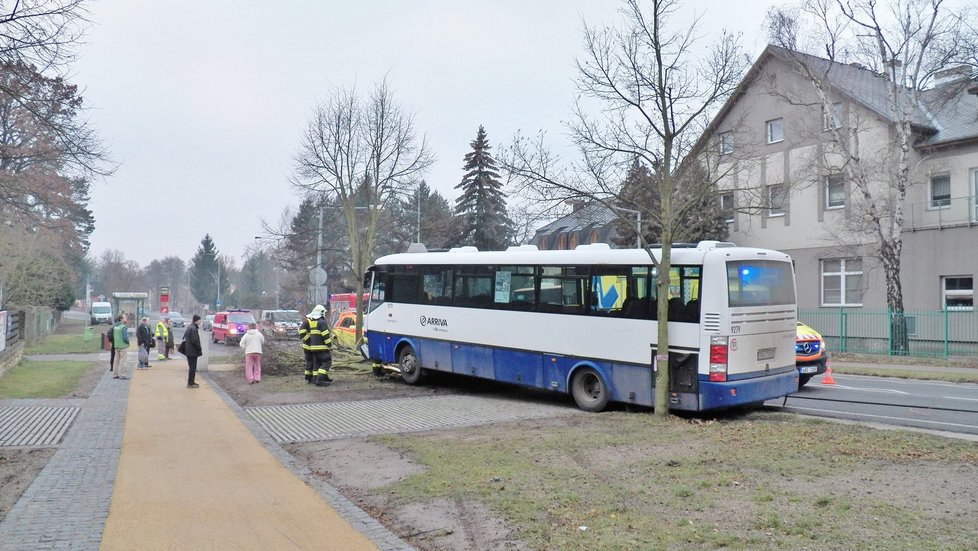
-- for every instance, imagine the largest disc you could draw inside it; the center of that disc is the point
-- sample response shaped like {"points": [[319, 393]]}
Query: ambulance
{"points": [[811, 356]]}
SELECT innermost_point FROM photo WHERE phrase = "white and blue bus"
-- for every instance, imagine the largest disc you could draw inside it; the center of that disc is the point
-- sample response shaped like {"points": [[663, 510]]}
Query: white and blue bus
{"points": [[584, 321]]}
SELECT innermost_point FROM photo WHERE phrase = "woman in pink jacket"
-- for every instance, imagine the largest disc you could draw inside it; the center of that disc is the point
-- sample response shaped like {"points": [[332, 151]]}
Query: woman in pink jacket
{"points": [[252, 342]]}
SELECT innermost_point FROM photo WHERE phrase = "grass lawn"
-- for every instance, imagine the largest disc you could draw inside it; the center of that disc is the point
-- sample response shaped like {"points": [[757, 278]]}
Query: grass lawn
{"points": [[907, 373], [68, 344], [42, 379], [751, 481]]}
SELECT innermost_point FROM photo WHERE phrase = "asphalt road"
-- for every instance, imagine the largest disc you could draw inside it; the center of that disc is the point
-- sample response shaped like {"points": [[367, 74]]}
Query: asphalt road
{"points": [[933, 405]]}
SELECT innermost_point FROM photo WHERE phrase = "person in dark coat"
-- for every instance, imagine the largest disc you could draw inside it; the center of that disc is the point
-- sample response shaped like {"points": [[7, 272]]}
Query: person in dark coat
{"points": [[169, 339], [190, 347], [144, 338]]}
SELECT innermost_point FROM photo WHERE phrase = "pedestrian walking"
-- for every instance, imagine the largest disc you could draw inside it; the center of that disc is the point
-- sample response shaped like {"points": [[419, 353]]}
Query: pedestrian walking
{"points": [[161, 334], [144, 340], [190, 347], [252, 342], [169, 338], [120, 344]]}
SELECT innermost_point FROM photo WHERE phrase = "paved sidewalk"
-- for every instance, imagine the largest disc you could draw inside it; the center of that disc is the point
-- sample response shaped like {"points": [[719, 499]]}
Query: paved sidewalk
{"points": [[151, 464]]}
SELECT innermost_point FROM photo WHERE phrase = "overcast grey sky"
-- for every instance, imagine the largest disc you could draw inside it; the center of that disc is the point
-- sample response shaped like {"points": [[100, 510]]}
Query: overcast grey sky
{"points": [[203, 102]]}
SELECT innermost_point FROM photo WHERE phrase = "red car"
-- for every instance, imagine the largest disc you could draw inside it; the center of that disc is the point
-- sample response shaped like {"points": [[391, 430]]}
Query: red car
{"points": [[229, 326]]}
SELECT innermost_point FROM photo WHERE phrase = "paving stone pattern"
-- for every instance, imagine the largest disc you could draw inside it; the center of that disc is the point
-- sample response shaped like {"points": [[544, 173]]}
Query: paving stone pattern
{"points": [[34, 426], [329, 421]]}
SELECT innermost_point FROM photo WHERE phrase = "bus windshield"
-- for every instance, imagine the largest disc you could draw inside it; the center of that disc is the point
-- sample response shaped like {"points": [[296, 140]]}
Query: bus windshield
{"points": [[759, 283]]}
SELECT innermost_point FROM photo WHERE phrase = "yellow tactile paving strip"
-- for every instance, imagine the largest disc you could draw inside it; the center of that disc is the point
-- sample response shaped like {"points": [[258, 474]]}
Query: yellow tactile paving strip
{"points": [[191, 476]]}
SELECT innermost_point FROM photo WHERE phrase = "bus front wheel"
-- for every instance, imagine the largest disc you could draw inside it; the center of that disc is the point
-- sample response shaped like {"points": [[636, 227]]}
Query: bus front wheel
{"points": [[408, 363], [589, 390]]}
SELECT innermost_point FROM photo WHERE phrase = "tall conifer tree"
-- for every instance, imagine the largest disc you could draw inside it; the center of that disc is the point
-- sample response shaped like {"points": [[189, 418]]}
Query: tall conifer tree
{"points": [[480, 210]]}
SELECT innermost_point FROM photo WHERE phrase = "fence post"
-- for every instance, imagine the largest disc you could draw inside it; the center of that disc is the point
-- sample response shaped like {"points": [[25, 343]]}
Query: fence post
{"points": [[946, 335], [843, 344], [889, 331]]}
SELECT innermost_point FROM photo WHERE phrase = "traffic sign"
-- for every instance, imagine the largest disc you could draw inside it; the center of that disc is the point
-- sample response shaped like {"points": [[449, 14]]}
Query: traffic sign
{"points": [[317, 276]]}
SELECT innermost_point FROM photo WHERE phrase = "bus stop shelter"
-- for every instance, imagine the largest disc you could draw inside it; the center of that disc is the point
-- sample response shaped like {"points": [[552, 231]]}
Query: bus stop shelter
{"points": [[135, 301]]}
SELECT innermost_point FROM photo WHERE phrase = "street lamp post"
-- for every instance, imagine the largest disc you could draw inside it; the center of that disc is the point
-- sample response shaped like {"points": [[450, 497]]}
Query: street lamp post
{"points": [[217, 303]]}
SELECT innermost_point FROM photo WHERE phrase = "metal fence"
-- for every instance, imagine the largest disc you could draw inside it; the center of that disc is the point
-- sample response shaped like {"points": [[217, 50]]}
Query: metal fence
{"points": [[930, 333], [942, 213]]}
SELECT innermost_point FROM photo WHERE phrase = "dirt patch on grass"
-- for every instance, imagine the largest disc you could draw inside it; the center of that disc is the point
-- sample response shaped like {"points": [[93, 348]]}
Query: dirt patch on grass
{"points": [[631, 481], [360, 469], [18, 468], [88, 381], [293, 389]]}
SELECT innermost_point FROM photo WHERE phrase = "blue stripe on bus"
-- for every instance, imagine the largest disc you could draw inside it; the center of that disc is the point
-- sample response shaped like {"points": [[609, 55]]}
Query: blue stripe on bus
{"points": [[627, 383], [747, 391]]}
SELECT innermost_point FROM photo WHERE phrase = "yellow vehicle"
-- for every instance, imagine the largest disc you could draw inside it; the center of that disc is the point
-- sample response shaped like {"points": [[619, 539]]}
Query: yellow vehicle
{"points": [[345, 329], [811, 355]]}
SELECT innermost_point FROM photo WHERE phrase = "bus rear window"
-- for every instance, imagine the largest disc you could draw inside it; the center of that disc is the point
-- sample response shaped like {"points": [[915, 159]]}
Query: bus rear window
{"points": [[759, 283]]}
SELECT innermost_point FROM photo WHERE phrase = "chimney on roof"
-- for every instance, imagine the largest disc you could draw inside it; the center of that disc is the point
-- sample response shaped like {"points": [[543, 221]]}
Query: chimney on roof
{"points": [[575, 204]]}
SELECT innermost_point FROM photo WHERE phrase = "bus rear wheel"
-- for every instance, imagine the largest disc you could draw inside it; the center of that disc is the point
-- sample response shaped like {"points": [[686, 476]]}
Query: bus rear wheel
{"points": [[408, 363], [589, 390]]}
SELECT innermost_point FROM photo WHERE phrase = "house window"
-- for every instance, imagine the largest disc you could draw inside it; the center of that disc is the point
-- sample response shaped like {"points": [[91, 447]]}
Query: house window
{"points": [[835, 191], [595, 237], [561, 242], [958, 293], [842, 282], [726, 143], [573, 241], [832, 119], [727, 206], [940, 191], [777, 199], [775, 130], [542, 243]]}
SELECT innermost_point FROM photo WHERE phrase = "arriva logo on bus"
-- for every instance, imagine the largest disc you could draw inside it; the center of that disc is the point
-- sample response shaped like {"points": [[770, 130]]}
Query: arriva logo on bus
{"points": [[440, 322]]}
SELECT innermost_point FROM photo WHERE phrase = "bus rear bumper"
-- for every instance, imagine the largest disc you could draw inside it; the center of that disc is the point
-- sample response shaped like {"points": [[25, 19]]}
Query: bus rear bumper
{"points": [[747, 391]]}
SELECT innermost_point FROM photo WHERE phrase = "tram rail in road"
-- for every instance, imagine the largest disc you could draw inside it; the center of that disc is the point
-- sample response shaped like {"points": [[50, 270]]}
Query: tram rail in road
{"points": [[930, 405]]}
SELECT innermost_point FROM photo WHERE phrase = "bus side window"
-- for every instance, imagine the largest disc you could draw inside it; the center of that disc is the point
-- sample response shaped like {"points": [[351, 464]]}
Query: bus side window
{"points": [[473, 287], [514, 288], [437, 285], [613, 292], [562, 290], [404, 285]]}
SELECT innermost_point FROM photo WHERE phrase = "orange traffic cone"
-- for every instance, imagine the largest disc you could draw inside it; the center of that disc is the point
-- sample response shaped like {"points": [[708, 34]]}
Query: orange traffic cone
{"points": [[827, 379]]}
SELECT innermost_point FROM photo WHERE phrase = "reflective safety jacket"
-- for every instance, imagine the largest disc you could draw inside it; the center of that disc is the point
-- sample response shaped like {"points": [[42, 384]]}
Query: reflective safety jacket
{"points": [[161, 331], [316, 336], [304, 335]]}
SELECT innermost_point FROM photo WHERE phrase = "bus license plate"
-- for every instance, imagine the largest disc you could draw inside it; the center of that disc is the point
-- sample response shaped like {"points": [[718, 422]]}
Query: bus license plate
{"points": [[808, 369], [765, 354]]}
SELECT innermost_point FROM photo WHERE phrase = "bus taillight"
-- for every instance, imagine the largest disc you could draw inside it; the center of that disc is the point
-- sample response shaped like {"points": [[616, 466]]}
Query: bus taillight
{"points": [[718, 359]]}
